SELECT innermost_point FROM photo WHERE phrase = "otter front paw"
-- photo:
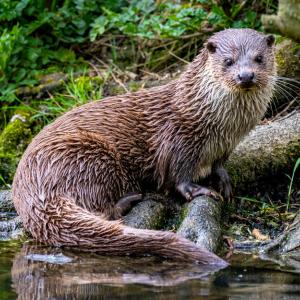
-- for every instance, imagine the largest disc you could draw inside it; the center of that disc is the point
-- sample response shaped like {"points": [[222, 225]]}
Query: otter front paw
{"points": [[191, 190]]}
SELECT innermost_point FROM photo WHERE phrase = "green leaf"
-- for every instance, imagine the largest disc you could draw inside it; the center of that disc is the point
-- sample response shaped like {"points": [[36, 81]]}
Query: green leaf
{"points": [[20, 6], [98, 27]]}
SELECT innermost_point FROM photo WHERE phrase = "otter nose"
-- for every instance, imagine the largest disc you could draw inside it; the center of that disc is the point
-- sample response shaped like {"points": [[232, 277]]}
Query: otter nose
{"points": [[246, 76]]}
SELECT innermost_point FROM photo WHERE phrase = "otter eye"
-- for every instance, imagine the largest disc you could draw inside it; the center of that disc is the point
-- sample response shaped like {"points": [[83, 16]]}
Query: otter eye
{"points": [[228, 62], [259, 59]]}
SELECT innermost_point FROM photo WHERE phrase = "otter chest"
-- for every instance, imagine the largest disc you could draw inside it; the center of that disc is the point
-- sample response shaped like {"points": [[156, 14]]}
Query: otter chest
{"points": [[225, 132]]}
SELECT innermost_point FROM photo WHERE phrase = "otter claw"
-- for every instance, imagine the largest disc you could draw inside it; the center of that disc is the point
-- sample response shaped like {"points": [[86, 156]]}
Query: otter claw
{"points": [[216, 196], [191, 190], [188, 196]]}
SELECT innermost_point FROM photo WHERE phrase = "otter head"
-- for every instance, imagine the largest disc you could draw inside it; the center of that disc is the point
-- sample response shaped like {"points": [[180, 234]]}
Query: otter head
{"points": [[242, 59]]}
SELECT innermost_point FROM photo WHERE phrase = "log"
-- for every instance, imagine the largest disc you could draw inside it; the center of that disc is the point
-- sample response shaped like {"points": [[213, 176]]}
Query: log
{"points": [[262, 160], [202, 223]]}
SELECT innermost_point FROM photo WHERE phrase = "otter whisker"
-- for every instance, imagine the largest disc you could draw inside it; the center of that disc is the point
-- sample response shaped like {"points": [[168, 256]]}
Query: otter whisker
{"points": [[283, 88], [292, 84], [285, 92], [288, 83], [295, 89], [288, 79]]}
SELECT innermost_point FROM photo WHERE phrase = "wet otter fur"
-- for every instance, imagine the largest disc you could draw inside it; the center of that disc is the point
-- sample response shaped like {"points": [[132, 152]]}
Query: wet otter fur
{"points": [[69, 183]]}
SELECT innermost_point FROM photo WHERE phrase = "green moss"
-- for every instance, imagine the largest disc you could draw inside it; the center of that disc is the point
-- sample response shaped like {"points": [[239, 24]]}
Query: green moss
{"points": [[287, 58], [13, 141], [159, 222], [135, 86], [159, 218], [114, 90], [183, 213], [241, 171], [15, 137], [178, 218]]}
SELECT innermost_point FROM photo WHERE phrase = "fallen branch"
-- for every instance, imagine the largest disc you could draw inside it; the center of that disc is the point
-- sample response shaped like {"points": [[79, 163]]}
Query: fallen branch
{"points": [[266, 155]]}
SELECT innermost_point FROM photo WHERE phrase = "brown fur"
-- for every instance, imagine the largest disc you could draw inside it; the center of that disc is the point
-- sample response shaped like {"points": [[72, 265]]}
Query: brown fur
{"points": [[84, 162]]}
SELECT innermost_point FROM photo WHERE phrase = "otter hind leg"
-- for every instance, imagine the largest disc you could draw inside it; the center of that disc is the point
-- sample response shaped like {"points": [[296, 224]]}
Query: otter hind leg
{"points": [[95, 175], [125, 204], [223, 182]]}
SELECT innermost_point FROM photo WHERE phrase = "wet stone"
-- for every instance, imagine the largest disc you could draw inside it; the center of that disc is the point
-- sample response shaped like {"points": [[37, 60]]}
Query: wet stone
{"points": [[10, 223], [147, 214], [6, 203], [10, 227], [202, 223]]}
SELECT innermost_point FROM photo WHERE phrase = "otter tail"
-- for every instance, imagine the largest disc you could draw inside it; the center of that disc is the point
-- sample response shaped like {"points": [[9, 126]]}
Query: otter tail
{"points": [[61, 222]]}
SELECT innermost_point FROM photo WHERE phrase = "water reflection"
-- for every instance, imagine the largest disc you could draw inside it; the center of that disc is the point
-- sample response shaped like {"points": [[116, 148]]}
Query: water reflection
{"points": [[46, 273]]}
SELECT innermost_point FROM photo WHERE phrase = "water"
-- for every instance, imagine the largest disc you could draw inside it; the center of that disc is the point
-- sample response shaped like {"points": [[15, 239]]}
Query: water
{"points": [[35, 272]]}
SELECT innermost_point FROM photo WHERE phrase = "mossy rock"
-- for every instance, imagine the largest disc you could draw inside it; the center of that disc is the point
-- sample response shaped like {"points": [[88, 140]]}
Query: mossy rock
{"points": [[147, 214], [287, 58], [15, 136], [13, 141]]}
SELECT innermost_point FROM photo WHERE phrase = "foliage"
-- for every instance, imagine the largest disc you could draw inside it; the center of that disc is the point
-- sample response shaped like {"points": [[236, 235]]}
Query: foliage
{"points": [[36, 35], [144, 20], [35, 38], [77, 91]]}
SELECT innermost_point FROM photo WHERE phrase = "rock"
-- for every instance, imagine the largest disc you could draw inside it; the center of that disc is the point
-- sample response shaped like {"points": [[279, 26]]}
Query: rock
{"points": [[58, 259], [148, 214], [287, 58], [11, 229], [10, 224], [202, 223], [6, 203]]}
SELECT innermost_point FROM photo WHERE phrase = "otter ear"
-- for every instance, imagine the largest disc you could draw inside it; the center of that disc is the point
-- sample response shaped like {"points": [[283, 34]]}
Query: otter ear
{"points": [[211, 47], [270, 40]]}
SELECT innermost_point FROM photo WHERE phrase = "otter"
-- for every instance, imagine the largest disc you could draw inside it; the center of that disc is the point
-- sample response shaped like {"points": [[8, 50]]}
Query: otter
{"points": [[83, 171]]}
